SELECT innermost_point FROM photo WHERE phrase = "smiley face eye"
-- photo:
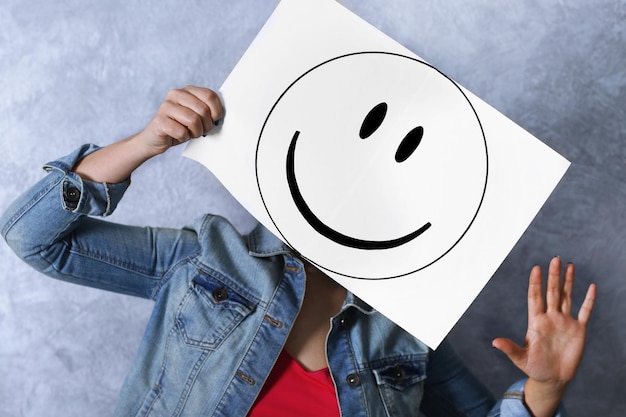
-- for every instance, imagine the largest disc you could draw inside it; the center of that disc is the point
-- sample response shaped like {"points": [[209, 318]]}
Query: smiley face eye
{"points": [[373, 120], [409, 144]]}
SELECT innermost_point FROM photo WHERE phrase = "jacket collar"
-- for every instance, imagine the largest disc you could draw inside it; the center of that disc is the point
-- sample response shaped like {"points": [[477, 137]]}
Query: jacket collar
{"points": [[263, 243], [354, 301]]}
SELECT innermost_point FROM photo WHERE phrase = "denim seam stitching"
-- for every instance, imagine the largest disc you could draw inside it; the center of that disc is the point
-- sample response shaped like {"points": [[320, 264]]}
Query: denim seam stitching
{"points": [[360, 369], [165, 278], [82, 278], [32, 202], [190, 383], [228, 281], [126, 266]]}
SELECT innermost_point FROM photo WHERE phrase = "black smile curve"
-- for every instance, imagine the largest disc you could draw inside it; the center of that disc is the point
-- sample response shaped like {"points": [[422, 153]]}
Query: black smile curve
{"points": [[329, 232]]}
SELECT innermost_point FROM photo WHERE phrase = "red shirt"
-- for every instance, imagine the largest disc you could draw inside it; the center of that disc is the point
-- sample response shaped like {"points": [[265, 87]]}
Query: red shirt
{"points": [[291, 390]]}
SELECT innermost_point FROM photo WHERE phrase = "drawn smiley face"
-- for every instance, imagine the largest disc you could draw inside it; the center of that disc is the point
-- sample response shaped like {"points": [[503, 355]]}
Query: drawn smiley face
{"points": [[372, 165]]}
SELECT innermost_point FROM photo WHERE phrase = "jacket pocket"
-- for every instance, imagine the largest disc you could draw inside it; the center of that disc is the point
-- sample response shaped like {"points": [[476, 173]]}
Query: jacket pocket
{"points": [[401, 383], [209, 312]]}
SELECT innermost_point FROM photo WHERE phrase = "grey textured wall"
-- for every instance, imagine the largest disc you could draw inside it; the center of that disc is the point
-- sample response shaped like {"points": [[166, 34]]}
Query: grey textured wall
{"points": [[73, 71]]}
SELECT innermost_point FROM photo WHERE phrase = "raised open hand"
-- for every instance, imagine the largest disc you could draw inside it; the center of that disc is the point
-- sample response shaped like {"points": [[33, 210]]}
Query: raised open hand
{"points": [[555, 340]]}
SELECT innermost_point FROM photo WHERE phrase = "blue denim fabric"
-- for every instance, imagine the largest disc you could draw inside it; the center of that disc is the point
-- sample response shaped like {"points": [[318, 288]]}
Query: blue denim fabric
{"points": [[224, 306]]}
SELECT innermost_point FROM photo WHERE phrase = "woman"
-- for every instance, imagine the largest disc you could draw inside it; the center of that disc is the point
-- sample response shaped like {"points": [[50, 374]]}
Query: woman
{"points": [[244, 326]]}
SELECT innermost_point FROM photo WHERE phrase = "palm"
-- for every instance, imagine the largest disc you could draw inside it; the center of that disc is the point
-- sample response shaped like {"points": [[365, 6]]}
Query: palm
{"points": [[554, 348]]}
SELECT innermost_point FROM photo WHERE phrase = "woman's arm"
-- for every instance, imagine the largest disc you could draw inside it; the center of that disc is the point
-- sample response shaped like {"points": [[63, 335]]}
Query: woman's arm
{"points": [[52, 226], [186, 113]]}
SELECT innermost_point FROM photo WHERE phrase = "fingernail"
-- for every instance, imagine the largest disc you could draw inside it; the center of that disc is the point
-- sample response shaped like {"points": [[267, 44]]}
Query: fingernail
{"points": [[216, 122]]}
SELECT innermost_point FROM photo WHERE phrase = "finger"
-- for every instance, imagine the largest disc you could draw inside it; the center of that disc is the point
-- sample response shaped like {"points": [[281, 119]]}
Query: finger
{"points": [[535, 299], [190, 111], [513, 351], [167, 127], [184, 116], [568, 287], [553, 286], [211, 100], [587, 307]]}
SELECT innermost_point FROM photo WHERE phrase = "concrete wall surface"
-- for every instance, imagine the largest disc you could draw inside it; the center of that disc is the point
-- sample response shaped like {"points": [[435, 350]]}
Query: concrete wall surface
{"points": [[96, 71]]}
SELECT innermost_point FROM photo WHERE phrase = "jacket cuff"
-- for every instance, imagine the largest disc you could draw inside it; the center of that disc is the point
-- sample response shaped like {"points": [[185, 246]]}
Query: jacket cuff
{"points": [[83, 196], [512, 403]]}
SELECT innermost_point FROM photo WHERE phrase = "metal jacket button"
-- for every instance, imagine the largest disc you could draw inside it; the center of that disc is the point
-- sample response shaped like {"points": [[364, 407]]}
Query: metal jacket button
{"points": [[71, 195], [399, 374], [353, 380], [346, 320], [220, 294]]}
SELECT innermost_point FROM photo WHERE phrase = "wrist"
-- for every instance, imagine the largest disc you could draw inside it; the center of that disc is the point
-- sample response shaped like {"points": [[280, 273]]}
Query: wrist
{"points": [[116, 162], [543, 398], [143, 148]]}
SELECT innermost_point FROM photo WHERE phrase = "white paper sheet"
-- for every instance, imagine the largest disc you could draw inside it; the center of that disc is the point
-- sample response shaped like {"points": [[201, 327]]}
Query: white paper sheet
{"points": [[393, 179]]}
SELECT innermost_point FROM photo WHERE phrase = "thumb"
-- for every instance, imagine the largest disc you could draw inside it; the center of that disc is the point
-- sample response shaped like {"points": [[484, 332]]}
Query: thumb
{"points": [[511, 349]]}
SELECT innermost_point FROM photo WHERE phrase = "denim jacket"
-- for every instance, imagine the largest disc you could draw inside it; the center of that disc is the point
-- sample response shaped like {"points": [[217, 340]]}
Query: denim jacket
{"points": [[223, 307]]}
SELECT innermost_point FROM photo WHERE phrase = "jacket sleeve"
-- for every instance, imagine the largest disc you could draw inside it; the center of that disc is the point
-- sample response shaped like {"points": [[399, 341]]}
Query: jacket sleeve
{"points": [[451, 390], [512, 403], [56, 227]]}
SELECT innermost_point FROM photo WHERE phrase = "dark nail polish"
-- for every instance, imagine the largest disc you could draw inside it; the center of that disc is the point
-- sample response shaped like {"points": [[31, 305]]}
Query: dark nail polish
{"points": [[216, 123]]}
